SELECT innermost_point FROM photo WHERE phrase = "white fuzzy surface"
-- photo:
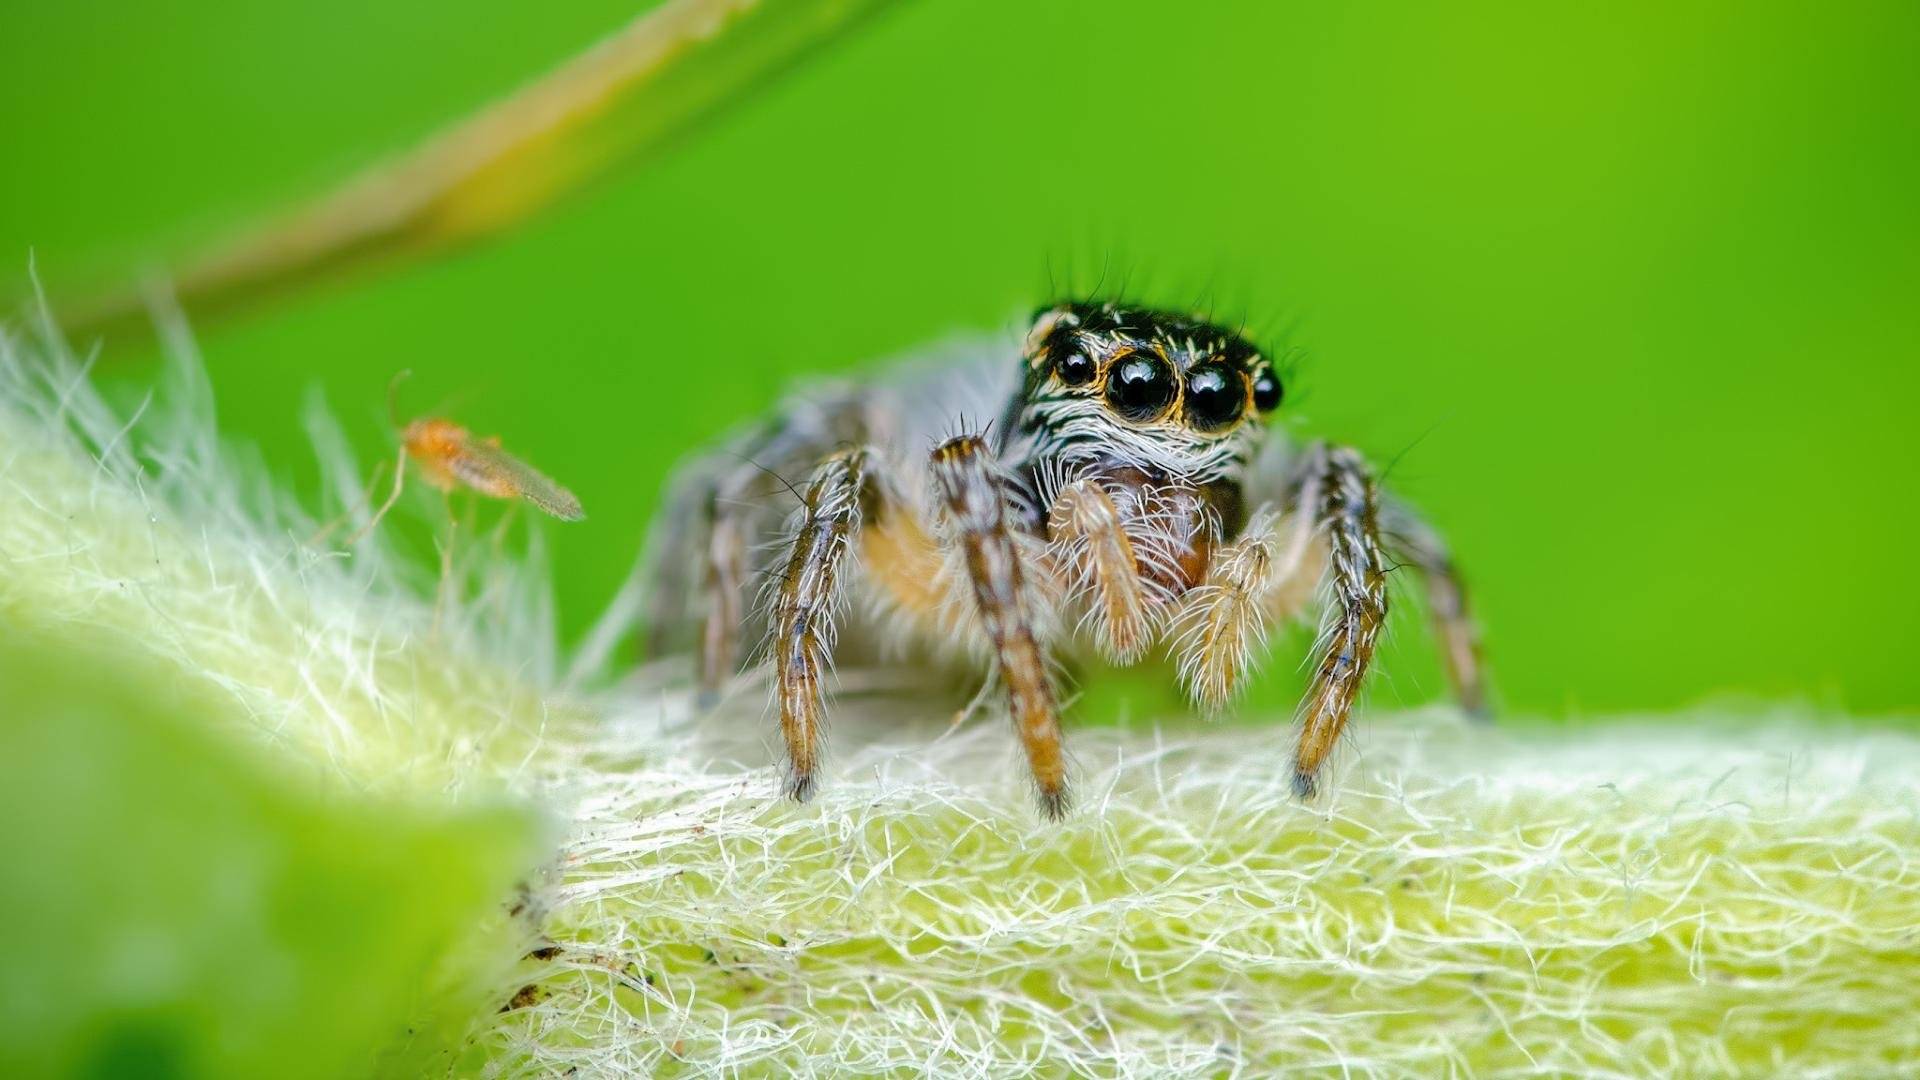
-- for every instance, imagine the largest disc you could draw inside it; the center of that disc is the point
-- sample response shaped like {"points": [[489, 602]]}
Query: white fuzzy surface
{"points": [[1694, 894], [1707, 895], [142, 525]]}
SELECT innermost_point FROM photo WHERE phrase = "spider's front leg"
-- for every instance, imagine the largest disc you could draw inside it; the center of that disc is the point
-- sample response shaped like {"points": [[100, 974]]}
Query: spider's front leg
{"points": [[975, 499]]}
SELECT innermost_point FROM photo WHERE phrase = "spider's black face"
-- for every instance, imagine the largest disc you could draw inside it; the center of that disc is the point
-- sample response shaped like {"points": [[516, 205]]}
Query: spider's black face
{"points": [[1150, 369]]}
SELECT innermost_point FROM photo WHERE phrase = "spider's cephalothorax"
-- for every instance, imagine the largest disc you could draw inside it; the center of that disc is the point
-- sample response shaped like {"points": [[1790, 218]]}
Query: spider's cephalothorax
{"points": [[1162, 412], [1122, 500]]}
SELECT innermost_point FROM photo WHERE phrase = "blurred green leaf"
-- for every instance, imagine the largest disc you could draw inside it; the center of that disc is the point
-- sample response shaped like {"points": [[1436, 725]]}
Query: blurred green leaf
{"points": [[172, 905]]}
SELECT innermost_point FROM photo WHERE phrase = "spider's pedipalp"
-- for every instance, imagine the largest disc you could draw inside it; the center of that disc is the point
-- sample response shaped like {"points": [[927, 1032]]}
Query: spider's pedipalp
{"points": [[1348, 512], [1259, 579], [975, 500], [1100, 558], [805, 600]]}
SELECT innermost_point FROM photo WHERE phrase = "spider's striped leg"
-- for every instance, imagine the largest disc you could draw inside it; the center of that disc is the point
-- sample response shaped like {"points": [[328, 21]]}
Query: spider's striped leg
{"points": [[1348, 512], [735, 513], [1412, 539], [1099, 553], [699, 548], [1265, 576], [975, 500], [806, 597]]}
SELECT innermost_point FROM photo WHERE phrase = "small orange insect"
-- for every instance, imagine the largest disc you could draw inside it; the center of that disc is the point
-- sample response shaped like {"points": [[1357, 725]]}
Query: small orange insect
{"points": [[449, 456]]}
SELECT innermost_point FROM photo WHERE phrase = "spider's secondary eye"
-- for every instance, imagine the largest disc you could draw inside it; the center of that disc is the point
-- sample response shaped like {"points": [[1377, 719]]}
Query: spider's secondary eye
{"points": [[1266, 390], [1140, 386], [1215, 396], [1075, 368]]}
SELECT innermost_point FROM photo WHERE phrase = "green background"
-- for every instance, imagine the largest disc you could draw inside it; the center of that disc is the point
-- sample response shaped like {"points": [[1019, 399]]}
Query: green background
{"points": [[1636, 285]]}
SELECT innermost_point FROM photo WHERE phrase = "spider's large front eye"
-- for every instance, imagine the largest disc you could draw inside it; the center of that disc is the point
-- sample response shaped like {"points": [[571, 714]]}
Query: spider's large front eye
{"points": [[1266, 390], [1140, 386], [1215, 396], [1074, 367]]}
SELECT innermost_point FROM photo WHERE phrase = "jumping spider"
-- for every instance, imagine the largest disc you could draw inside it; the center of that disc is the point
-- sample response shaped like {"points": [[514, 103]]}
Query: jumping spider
{"points": [[1121, 498]]}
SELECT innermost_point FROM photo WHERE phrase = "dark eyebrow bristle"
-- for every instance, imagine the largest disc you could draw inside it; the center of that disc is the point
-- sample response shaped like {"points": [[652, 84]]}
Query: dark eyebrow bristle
{"points": [[1060, 339]]}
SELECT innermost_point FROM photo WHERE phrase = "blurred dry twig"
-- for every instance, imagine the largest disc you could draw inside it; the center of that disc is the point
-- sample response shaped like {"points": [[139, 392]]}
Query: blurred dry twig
{"points": [[624, 96]]}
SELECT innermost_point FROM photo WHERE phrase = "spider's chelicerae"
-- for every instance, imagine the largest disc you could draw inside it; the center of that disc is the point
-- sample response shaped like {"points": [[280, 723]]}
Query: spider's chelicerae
{"points": [[1122, 493]]}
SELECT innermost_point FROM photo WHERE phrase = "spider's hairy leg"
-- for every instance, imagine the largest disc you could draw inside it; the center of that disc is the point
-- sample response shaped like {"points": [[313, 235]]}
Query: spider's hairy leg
{"points": [[1264, 577], [701, 541], [1099, 552], [1412, 539], [975, 500], [670, 551], [1348, 512], [805, 599], [724, 582], [733, 502]]}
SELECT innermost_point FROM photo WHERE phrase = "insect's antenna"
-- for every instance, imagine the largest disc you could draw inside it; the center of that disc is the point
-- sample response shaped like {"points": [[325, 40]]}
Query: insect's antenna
{"points": [[399, 483], [393, 396]]}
